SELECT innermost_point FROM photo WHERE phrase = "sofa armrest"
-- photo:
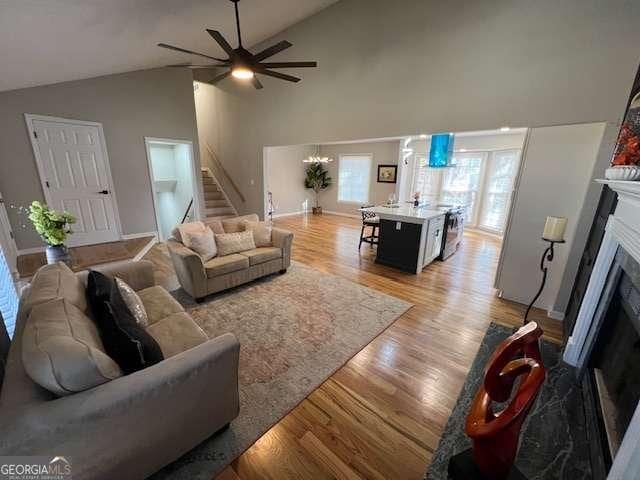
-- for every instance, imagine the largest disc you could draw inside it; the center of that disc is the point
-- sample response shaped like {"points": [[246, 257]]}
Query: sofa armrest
{"points": [[139, 275], [189, 268], [283, 239], [133, 425]]}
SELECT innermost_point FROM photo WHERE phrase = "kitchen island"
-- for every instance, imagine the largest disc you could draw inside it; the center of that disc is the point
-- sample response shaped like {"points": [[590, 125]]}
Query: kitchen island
{"points": [[410, 237]]}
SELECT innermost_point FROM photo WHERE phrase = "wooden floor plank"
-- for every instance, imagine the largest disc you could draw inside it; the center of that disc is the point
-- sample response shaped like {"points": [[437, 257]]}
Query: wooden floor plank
{"points": [[382, 414]]}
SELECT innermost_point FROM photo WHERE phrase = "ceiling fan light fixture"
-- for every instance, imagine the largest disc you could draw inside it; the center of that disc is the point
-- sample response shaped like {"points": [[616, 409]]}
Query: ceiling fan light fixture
{"points": [[242, 73]]}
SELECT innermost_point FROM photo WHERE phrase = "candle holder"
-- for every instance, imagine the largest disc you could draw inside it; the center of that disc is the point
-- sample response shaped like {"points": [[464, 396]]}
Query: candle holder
{"points": [[547, 256]]}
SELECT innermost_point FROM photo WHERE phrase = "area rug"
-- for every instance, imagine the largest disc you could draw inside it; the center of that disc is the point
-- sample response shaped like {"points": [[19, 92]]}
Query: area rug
{"points": [[295, 330], [553, 441]]}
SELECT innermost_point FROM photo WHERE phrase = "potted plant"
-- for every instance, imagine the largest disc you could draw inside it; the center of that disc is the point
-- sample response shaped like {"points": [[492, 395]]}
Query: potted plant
{"points": [[54, 228], [317, 179]]}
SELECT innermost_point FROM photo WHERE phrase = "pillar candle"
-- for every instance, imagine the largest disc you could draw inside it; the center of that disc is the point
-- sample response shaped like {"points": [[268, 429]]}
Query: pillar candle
{"points": [[554, 228]]}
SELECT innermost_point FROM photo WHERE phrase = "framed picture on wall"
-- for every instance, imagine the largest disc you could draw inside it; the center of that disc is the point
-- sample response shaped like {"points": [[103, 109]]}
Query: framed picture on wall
{"points": [[387, 173]]}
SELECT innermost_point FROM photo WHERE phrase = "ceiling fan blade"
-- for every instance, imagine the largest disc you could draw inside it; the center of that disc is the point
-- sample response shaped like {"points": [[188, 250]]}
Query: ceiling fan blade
{"points": [[281, 76], [289, 64], [256, 83], [222, 76], [190, 65], [178, 49], [217, 36], [272, 50]]}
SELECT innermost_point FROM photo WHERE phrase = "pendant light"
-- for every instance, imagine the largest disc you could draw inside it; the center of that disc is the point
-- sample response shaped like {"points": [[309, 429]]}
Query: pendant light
{"points": [[317, 158]]}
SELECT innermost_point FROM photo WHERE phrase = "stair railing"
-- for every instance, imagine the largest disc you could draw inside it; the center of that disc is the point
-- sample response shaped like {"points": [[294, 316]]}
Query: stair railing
{"points": [[186, 213], [218, 165]]}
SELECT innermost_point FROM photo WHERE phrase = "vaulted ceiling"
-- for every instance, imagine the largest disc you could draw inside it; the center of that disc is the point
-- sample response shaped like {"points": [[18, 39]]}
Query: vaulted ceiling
{"points": [[49, 41]]}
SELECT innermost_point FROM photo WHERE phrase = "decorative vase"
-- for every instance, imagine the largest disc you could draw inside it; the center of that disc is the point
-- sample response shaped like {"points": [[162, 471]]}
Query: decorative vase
{"points": [[58, 253], [316, 210], [623, 172]]}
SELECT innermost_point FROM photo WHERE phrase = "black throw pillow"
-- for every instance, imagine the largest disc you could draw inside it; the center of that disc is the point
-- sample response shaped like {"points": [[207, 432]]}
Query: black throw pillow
{"points": [[130, 346]]}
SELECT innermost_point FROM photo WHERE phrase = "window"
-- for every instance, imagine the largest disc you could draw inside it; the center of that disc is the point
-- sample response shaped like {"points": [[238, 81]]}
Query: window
{"points": [[461, 183], [501, 174], [482, 181], [354, 177], [8, 296]]}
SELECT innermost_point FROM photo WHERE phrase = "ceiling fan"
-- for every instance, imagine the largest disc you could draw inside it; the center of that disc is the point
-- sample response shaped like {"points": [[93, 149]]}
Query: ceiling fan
{"points": [[242, 63]]}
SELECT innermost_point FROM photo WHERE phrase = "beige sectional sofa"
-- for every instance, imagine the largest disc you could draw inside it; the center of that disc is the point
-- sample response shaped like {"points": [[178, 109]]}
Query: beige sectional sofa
{"points": [[63, 395], [200, 278]]}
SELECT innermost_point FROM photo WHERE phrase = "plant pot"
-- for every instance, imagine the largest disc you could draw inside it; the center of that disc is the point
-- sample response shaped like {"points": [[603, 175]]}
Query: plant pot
{"points": [[316, 210], [59, 253]]}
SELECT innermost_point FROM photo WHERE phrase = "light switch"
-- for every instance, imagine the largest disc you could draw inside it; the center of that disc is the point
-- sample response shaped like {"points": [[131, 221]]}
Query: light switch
{"points": [[252, 182], [398, 225]]}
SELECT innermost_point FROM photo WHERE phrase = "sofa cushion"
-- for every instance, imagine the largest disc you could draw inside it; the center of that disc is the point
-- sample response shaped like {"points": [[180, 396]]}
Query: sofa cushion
{"points": [[261, 233], [124, 340], [229, 243], [227, 264], [179, 230], [262, 254], [215, 226], [177, 333], [56, 281], [62, 350], [158, 303], [235, 224]]}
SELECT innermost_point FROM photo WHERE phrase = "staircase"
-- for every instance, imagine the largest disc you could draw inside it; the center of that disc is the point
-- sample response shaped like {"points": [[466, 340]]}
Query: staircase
{"points": [[216, 203]]}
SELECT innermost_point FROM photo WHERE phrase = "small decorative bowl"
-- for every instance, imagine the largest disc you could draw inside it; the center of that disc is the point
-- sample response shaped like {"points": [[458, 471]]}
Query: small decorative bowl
{"points": [[623, 172]]}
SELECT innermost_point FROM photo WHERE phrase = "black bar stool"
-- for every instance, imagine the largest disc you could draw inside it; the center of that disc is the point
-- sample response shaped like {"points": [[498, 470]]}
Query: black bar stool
{"points": [[369, 219]]}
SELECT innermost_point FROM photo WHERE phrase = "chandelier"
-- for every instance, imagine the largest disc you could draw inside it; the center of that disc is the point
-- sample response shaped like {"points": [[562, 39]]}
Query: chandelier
{"points": [[317, 158]]}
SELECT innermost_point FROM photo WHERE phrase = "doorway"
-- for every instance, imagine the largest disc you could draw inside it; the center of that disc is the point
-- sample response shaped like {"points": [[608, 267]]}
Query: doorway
{"points": [[72, 161], [173, 174]]}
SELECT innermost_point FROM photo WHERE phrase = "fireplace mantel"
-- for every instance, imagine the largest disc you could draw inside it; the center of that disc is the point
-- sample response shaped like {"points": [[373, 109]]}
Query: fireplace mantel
{"points": [[623, 230]]}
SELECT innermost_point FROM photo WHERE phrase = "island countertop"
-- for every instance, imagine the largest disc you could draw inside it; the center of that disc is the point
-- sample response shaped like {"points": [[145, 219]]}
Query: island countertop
{"points": [[407, 213]]}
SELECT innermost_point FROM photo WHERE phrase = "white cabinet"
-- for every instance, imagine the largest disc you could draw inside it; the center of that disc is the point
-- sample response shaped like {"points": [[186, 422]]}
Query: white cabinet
{"points": [[433, 245]]}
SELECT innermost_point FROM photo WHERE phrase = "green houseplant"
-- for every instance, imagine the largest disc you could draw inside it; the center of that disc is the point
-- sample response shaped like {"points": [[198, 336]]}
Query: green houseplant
{"points": [[317, 179], [54, 228]]}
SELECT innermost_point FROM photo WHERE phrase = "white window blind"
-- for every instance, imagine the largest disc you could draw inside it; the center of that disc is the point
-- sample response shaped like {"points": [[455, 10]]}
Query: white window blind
{"points": [[501, 174], [8, 296], [426, 180], [461, 183], [354, 177]]}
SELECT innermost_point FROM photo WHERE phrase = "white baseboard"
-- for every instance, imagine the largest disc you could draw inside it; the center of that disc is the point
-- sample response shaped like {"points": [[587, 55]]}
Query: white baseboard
{"points": [[289, 214], [29, 251], [555, 315], [341, 214], [140, 255], [132, 236]]}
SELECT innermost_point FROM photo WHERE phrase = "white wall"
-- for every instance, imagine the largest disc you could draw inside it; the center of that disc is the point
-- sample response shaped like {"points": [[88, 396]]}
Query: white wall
{"points": [[382, 153], [284, 177], [558, 165]]}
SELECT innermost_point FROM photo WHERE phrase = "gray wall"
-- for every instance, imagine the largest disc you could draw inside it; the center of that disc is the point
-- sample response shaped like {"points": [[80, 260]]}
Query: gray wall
{"points": [[284, 176], [383, 153], [130, 106]]}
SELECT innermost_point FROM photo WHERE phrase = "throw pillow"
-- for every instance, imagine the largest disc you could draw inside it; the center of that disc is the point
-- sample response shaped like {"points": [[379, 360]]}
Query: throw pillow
{"points": [[215, 226], [203, 243], [229, 243], [261, 233], [131, 298], [130, 346], [232, 225], [179, 231]]}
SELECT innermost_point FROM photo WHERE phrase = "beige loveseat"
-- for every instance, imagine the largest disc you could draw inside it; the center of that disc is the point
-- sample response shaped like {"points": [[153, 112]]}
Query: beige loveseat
{"points": [[125, 426], [199, 278]]}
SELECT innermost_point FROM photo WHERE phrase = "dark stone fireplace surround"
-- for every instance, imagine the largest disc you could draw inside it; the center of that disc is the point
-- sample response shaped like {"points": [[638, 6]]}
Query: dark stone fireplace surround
{"points": [[616, 274]]}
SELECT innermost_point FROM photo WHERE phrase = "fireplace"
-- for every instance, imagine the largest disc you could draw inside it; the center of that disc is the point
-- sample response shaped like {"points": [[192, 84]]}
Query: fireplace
{"points": [[605, 342], [612, 377]]}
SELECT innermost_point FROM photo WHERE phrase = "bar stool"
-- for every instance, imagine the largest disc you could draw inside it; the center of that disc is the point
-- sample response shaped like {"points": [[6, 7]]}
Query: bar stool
{"points": [[369, 219]]}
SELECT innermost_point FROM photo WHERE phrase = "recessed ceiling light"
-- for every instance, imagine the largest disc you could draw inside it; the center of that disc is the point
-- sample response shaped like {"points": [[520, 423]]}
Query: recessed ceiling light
{"points": [[505, 129], [463, 150], [423, 135]]}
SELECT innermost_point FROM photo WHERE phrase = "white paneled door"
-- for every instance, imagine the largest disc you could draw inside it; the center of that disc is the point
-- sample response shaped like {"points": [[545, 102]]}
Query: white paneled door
{"points": [[75, 176]]}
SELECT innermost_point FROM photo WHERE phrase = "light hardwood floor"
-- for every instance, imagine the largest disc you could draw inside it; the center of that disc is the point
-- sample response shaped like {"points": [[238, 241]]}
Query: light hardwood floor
{"points": [[381, 415]]}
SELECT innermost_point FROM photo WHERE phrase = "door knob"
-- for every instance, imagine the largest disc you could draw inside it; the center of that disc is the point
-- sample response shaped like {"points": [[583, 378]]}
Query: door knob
{"points": [[104, 192]]}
